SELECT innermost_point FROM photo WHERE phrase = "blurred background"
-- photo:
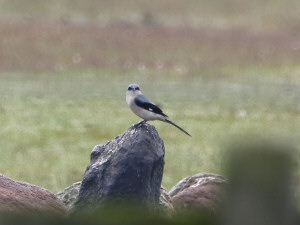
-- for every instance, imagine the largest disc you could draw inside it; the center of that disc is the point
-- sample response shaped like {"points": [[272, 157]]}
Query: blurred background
{"points": [[217, 68]]}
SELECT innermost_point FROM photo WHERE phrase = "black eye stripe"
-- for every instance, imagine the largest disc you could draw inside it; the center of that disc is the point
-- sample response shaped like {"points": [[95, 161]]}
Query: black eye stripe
{"points": [[133, 88]]}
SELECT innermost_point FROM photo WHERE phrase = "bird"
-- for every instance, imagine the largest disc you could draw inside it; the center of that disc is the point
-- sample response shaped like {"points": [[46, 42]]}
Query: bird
{"points": [[144, 108]]}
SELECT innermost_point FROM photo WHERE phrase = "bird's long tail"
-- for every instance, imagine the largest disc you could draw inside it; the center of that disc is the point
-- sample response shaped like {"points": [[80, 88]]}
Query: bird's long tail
{"points": [[170, 122]]}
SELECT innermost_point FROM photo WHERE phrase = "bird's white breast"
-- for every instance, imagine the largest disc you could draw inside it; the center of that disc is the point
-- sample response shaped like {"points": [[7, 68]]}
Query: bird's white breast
{"points": [[143, 113]]}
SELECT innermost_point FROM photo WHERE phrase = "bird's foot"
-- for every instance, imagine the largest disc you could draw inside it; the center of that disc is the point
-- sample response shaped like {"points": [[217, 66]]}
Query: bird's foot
{"points": [[138, 124]]}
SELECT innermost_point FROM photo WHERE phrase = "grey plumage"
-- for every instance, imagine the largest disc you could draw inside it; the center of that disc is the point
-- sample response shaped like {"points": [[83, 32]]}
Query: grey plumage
{"points": [[144, 108]]}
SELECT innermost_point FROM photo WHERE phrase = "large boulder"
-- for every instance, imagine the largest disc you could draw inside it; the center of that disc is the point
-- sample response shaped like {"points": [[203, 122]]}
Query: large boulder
{"points": [[199, 192], [127, 169], [69, 195], [20, 197]]}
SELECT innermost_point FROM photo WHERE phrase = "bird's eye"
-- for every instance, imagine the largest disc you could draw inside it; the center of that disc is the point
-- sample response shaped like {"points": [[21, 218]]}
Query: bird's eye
{"points": [[137, 88], [129, 88]]}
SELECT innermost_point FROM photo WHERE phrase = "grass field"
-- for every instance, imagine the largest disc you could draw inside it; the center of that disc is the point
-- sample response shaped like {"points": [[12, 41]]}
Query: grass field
{"points": [[219, 71]]}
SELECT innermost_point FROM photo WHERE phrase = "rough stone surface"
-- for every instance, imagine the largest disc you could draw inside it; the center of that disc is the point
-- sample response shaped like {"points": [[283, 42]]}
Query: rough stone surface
{"points": [[201, 192], [69, 194], [126, 169], [165, 201], [20, 197]]}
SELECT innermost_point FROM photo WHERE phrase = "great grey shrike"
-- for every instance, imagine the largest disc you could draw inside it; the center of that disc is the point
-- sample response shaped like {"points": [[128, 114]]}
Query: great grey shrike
{"points": [[144, 108]]}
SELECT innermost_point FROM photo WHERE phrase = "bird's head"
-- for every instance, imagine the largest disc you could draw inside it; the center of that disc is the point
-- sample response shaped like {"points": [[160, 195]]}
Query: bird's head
{"points": [[132, 91]]}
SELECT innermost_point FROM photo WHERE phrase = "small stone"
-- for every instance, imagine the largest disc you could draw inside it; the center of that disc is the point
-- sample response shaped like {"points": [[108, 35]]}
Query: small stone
{"points": [[20, 197], [199, 192]]}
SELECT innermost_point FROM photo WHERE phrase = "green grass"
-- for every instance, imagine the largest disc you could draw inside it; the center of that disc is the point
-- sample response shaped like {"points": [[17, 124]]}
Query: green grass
{"points": [[219, 69], [50, 122]]}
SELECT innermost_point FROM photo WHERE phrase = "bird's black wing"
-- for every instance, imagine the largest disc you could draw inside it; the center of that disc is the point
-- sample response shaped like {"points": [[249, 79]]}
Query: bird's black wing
{"points": [[145, 103]]}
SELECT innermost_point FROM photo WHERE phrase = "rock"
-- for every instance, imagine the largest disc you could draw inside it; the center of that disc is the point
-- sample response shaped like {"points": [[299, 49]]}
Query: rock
{"points": [[165, 201], [127, 169], [69, 195], [199, 192], [20, 197]]}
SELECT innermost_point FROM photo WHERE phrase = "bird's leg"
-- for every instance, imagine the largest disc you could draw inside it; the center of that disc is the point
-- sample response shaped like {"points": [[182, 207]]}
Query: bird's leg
{"points": [[140, 123]]}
